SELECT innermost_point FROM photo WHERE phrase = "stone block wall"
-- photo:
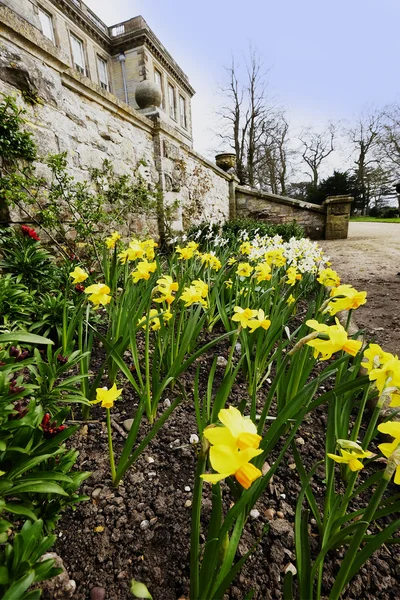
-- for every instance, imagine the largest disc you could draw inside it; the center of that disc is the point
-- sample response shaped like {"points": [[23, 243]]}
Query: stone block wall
{"points": [[280, 209]]}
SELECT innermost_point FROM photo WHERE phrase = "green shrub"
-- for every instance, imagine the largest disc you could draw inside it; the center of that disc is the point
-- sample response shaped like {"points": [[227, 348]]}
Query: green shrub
{"points": [[24, 256], [16, 302], [254, 227], [233, 230]]}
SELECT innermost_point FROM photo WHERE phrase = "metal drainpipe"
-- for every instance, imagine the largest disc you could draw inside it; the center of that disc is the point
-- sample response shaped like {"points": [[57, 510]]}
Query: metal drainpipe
{"points": [[122, 59]]}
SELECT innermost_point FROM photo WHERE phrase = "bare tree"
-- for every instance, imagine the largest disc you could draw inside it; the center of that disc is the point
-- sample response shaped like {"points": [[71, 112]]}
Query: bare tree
{"points": [[246, 115], [364, 137], [389, 138], [317, 146], [273, 156]]}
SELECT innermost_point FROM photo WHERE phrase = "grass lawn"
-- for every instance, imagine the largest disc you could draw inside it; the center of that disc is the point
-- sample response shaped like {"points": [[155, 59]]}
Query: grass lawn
{"points": [[373, 220]]}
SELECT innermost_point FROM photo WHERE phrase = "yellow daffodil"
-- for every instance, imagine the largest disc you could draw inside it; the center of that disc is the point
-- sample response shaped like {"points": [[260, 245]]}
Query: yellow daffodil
{"points": [[143, 270], [98, 294], [107, 396], [275, 257], [185, 253], [238, 431], [228, 283], [201, 286], [211, 261], [192, 295], [243, 316], [78, 275], [292, 276], [291, 299], [166, 286], [245, 248], [334, 338], [345, 297], [154, 319], [231, 261], [259, 321], [263, 272], [135, 250], [228, 461], [244, 269], [375, 357], [328, 278], [123, 256], [351, 458], [113, 239], [391, 428], [387, 375], [148, 247], [232, 447]]}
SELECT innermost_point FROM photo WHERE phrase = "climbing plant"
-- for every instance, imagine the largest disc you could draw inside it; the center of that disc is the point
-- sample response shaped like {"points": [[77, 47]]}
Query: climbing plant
{"points": [[73, 213]]}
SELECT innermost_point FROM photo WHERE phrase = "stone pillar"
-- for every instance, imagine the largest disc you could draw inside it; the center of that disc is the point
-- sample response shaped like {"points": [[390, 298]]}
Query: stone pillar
{"points": [[232, 197], [337, 217]]}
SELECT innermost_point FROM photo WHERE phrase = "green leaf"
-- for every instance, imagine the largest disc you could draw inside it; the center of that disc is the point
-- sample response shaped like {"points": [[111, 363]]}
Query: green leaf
{"points": [[19, 509], [26, 338], [139, 590], [3, 575], [288, 586], [46, 487], [19, 587]]}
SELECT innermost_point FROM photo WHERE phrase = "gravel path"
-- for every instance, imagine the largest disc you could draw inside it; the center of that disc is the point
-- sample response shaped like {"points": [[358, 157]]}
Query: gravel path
{"points": [[370, 260]]}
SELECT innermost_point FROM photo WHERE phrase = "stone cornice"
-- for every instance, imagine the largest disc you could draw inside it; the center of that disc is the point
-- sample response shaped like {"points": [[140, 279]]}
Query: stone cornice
{"points": [[145, 37], [135, 38], [72, 10]]}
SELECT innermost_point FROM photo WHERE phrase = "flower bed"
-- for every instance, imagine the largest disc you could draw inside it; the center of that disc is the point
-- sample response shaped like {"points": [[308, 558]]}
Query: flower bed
{"points": [[230, 423]]}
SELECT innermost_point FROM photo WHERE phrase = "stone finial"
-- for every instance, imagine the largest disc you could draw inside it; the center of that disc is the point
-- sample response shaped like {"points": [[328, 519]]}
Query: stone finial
{"points": [[226, 161], [148, 94]]}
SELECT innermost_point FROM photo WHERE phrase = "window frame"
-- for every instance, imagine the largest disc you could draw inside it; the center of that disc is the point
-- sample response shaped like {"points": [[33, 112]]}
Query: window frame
{"points": [[183, 114], [104, 85], [159, 72], [83, 70], [173, 113], [50, 17]]}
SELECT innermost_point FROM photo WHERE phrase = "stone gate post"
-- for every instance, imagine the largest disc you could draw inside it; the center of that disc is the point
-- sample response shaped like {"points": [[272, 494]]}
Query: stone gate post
{"points": [[337, 217]]}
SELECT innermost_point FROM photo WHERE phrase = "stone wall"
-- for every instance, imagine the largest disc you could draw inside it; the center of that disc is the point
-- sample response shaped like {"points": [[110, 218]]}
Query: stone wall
{"points": [[281, 209]]}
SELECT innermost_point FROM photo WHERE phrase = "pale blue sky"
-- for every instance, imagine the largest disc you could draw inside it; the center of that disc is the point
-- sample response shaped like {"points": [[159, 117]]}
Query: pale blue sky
{"points": [[328, 58]]}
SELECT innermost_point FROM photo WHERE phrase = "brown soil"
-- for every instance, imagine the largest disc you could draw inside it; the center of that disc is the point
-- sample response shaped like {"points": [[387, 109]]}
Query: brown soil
{"points": [[370, 260]]}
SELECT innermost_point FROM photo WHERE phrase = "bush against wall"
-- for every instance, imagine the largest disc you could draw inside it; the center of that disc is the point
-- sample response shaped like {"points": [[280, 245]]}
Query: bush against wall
{"points": [[71, 212]]}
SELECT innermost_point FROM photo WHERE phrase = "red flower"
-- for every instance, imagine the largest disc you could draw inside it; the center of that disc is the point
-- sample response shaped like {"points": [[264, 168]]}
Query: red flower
{"points": [[79, 288], [50, 429], [28, 231]]}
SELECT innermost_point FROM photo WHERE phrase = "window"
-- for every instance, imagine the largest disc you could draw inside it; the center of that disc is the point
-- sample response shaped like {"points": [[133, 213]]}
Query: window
{"points": [[158, 80], [182, 110], [103, 75], [78, 56], [172, 101], [46, 22]]}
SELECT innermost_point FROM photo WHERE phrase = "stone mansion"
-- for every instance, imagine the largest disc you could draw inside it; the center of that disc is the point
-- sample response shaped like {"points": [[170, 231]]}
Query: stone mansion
{"points": [[117, 58]]}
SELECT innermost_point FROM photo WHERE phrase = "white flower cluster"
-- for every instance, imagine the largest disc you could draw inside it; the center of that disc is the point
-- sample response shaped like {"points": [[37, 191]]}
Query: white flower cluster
{"points": [[303, 254]]}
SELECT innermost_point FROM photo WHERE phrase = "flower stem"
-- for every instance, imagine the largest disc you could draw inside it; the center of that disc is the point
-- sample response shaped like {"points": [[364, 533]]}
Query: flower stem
{"points": [[110, 446]]}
